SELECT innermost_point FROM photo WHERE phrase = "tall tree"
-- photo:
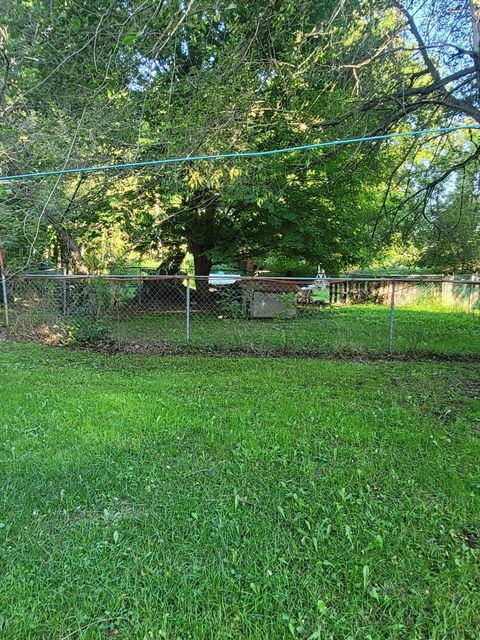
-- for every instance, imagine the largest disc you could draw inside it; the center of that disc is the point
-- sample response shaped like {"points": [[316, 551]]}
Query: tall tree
{"points": [[133, 82]]}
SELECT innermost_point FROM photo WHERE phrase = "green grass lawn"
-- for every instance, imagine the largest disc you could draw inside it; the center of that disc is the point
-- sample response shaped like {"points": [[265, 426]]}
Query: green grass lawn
{"points": [[422, 328], [357, 328], [201, 498]]}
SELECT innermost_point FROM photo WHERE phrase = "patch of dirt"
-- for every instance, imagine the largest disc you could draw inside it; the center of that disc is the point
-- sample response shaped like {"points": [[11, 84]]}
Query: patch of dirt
{"points": [[171, 349], [168, 349], [471, 389], [468, 538]]}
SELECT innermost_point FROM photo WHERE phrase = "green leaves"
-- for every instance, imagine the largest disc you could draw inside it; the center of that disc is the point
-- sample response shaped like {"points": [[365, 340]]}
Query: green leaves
{"points": [[131, 38], [321, 607], [189, 90]]}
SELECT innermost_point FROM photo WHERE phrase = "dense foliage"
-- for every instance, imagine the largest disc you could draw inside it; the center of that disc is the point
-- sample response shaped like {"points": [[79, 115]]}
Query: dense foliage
{"points": [[85, 84]]}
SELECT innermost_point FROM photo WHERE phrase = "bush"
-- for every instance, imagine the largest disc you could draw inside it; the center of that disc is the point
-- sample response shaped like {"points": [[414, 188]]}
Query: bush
{"points": [[229, 302], [87, 333]]}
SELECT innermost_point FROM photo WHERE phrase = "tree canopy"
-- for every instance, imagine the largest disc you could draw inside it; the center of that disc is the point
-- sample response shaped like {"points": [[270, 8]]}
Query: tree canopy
{"points": [[84, 84]]}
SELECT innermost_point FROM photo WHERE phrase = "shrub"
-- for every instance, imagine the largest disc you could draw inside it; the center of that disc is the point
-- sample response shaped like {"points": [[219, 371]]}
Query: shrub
{"points": [[229, 302], [87, 333]]}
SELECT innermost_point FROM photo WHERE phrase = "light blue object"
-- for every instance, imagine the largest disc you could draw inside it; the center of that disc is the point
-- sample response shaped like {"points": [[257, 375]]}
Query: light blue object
{"points": [[244, 154], [221, 277]]}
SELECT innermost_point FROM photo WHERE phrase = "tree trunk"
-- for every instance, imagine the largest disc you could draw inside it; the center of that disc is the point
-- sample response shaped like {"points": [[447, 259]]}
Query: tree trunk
{"points": [[202, 231], [170, 266], [70, 248], [203, 264]]}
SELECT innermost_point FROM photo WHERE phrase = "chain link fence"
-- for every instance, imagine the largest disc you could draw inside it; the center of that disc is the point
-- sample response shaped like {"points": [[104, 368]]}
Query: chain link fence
{"points": [[242, 314]]}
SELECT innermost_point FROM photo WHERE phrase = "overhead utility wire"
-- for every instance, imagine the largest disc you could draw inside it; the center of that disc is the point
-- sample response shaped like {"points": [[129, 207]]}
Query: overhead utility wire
{"points": [[243, 154]]}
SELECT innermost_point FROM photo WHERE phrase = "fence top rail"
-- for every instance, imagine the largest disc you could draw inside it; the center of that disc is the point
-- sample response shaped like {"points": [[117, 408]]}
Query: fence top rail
{"points": [[306, 280]]}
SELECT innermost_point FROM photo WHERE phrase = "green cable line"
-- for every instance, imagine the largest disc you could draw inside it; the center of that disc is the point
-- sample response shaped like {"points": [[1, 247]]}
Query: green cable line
{"points": [[244, 154]]}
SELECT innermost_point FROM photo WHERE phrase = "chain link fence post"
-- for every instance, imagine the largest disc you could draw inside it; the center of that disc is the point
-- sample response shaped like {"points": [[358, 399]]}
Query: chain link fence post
{"points": [[392, 318], [5, 300], [64, 292], [187, 302], [470, 296]]}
